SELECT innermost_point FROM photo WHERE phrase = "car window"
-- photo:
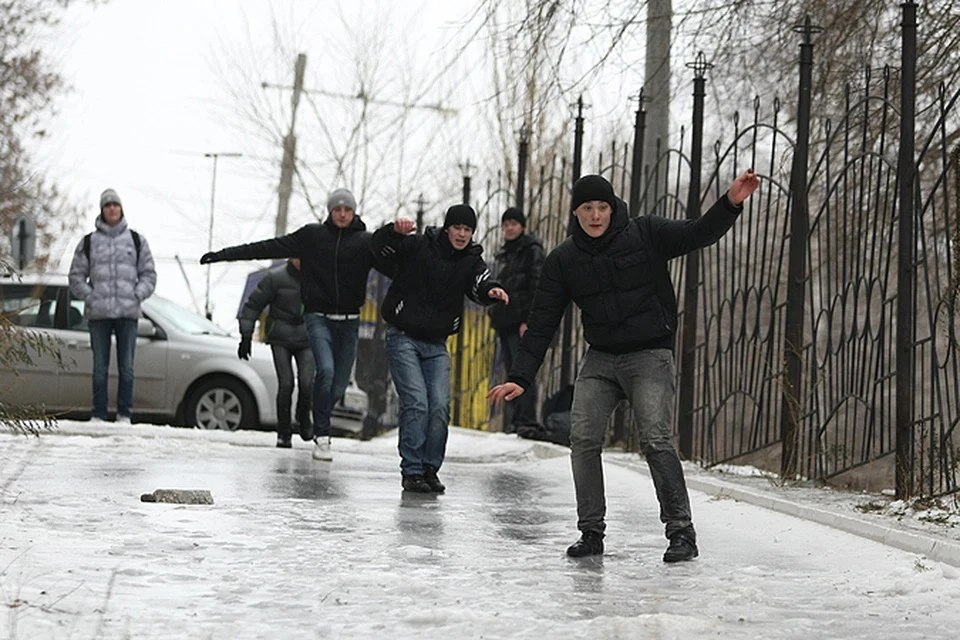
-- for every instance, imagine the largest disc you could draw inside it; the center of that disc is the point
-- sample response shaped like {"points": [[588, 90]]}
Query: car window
{"points": [[75, 319], [29, 305]]}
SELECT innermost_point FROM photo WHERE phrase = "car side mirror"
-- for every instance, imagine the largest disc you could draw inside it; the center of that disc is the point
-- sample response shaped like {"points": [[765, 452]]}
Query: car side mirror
{"points": [[146, 328]]}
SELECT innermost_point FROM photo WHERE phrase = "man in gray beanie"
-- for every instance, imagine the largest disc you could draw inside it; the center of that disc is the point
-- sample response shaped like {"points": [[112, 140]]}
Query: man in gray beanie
{"points": [[335, 260], [112, 272]]}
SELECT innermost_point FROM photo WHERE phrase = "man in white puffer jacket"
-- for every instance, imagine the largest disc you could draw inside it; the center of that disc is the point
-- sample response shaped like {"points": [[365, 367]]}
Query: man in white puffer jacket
{"points": [[112, 272]]}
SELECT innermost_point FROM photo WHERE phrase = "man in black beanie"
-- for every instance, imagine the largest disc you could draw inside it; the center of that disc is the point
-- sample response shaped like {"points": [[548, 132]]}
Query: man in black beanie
{"points": [[517, 267], [615, 270], [431, 274]]}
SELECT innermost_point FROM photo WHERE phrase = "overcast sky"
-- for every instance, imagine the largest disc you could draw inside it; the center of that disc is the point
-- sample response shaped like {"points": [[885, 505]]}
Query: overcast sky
{"points": [[154, 86]]}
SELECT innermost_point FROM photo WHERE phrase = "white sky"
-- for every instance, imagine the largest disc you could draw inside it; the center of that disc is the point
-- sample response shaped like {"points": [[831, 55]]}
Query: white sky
{"points": [[155, 85], [299, 549]]}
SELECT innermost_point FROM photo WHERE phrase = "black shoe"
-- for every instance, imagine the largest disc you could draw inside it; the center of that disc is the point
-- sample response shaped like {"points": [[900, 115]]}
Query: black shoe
{"points": [[306, 429], [430, 477], [283, 441], [415, 484], [589, 544], [683, 546]]}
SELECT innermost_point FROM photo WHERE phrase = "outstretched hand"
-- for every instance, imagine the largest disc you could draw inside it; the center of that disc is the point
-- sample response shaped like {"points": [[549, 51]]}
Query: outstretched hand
{"points": [[499, 294], [506, 391], [403, 226], [741, 189], [208, 257]]}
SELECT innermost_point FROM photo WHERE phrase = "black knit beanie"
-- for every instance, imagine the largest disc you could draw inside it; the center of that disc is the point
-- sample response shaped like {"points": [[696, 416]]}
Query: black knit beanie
{"points": [[593, 187], [513, 213], [460, 214]]}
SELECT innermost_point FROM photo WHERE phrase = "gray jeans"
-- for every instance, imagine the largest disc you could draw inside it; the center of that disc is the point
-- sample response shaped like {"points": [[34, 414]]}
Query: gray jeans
{"points": [[646, 380]]}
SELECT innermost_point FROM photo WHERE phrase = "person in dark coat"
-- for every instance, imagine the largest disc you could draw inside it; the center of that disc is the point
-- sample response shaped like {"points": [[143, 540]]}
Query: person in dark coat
{"points": [[517, 266], [284, 331], [335, 260], [424, 304], [615, 270]]}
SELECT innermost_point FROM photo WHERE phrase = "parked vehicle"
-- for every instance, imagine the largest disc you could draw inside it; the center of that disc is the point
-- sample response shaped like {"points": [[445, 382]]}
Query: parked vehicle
{"points": [[187, 370]]}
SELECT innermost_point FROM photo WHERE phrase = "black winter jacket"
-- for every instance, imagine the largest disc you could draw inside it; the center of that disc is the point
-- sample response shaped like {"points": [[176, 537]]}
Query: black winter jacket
{"points": [[279, 288], [517, 266], [334, 263], [619, 281], [430, 278]]}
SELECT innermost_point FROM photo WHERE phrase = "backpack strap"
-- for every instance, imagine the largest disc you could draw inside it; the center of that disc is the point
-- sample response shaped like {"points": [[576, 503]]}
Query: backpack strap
{"points": [[133, 234]]}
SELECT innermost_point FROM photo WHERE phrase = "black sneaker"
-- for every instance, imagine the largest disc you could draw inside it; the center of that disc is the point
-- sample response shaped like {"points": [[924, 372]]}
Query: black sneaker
{"points": [[430, 477], [683, 546], [415, 484], [306, 428], [589, 544], [283, 441]]}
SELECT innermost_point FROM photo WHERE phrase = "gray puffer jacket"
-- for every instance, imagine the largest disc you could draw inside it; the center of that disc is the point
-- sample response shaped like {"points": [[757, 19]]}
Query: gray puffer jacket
{"points": [[113, 282]]}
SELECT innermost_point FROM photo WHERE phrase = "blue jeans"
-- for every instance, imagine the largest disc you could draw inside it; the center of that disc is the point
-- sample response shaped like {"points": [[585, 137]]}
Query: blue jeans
{"points": [[334, 347], [645, 378], [100, 331], [421, 373]]}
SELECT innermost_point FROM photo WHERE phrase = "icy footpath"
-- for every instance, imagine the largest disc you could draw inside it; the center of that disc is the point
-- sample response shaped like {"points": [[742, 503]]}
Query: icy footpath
{"points": [[295, 548]]}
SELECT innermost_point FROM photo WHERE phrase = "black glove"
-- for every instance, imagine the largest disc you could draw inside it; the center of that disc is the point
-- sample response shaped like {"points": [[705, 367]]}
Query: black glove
{"points": [[243, 351], [209, 256]]}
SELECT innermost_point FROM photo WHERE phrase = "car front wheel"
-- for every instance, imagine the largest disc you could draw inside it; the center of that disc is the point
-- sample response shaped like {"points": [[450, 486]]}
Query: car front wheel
{"points": [[220, 403]]}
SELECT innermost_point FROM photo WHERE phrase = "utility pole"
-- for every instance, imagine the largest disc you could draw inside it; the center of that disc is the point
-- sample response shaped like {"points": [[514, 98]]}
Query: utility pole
{"points": [[208, 311], [288, 165], [289, 148]]}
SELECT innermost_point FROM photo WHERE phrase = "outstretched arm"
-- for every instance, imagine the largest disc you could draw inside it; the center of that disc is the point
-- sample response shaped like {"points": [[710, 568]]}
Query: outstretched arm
{"points": [[679, 237], [288, 246], [390, 243]]}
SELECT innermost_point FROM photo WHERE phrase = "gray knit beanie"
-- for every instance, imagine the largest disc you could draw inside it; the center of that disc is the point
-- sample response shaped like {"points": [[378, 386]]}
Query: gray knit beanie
{"points": [[341, 198], [109, 196]]}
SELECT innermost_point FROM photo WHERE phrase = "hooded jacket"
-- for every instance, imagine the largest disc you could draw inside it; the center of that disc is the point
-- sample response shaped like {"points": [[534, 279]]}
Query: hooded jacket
{"points": [[517, 266], [279, 288], [619, 281], [334, 263], [116, 278], [430, 278]]}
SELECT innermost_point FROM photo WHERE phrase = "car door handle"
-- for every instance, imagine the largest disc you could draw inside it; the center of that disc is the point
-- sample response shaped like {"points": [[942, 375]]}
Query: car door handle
{"points": [[77, 345]]}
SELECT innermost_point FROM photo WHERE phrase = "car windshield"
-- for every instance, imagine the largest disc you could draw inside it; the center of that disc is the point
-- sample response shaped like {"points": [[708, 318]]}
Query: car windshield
{"points": [[184, 320]]}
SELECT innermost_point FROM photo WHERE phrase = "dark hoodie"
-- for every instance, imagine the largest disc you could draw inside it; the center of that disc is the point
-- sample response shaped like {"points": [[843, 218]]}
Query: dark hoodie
{"points": [[334, 263], [430, 278], [619, 281]]}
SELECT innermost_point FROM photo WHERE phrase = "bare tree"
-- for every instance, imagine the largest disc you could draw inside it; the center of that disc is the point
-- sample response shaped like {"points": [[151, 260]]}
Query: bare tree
{"points": [[28, 88]]}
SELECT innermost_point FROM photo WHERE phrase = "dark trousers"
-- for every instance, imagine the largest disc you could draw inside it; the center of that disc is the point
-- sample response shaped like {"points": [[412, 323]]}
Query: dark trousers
{"points": [[283, 357], [522, 410], [646, 379]]}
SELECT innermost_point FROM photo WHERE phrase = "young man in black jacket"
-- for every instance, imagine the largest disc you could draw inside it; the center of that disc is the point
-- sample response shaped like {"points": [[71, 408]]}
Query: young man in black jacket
{"points": [[517, 267], [335, 260], [424, 304], [285, 333], [615, 270]]}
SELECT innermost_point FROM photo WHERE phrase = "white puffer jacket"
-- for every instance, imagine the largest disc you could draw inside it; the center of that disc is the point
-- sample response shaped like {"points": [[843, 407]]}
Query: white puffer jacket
{"points": [[114, 281]]}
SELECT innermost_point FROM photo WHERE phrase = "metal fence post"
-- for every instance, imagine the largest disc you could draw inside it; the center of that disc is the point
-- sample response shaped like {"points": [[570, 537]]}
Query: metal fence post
{"points": [[522, 153], [636, 168], [906, 178], [566, 357], [458, 405], [796, 266], [691, 284]]}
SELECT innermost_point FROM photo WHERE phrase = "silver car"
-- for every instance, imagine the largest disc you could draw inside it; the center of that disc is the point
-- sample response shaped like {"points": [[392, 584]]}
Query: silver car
{"points": [[187, 369]]}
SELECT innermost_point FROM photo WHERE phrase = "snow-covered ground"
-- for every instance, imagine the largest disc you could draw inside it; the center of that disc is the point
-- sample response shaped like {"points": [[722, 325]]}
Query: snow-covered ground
{"points": [[294, 548]]}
